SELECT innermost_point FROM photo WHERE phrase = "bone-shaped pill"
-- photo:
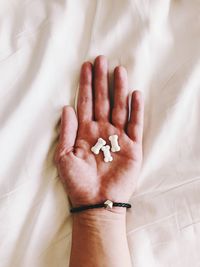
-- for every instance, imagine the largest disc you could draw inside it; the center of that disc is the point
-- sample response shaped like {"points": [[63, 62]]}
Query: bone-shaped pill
{"points": [[114, 143], [106, 153], [96, 148]]}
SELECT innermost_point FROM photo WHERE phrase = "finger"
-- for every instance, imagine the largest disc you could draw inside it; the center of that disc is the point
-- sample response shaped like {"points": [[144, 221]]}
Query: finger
{"points": [[68, 131], [135, 124], [120, 108], [101, 89], [84, 104]]}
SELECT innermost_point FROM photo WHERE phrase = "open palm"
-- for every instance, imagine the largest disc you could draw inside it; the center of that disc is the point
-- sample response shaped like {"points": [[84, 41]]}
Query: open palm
{"points": [[86, 177]]}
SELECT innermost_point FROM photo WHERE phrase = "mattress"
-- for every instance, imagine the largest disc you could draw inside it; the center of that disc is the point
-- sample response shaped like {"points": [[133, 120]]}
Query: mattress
{"points": [[43, 44]]}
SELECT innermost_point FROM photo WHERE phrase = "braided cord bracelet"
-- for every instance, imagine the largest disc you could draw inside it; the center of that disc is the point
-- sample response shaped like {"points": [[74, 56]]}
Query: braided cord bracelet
{"points": [[108, 204]]}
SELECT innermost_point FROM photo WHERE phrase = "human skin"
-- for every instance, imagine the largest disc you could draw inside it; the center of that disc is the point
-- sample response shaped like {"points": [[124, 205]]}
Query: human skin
{"points": [[99, 235]]}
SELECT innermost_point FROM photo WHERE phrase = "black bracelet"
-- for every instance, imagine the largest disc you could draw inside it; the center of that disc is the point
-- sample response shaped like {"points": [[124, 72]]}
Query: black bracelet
{"points": [[108, 204]]}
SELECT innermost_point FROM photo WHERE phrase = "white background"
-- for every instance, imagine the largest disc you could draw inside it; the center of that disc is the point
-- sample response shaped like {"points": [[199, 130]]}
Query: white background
{"points": [[42, 46]]}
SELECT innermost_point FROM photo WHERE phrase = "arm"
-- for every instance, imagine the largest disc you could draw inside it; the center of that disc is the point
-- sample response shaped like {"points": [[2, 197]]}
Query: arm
{"points": [[99, 239], [99, 235]]}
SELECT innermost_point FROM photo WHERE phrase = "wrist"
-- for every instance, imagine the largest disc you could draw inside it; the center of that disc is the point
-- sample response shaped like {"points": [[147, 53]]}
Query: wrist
{"points": [[100, 232], [109, 205], [100, 215]]}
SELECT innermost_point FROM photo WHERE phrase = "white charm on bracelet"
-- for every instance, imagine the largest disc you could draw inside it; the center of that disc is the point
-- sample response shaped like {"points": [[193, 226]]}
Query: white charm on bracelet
{"points": [[106, 152], [96, 148], [114, 143]]}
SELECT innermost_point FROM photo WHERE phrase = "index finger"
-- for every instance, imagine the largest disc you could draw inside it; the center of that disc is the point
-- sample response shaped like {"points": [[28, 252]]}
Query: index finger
{"points": [[84, 104]]}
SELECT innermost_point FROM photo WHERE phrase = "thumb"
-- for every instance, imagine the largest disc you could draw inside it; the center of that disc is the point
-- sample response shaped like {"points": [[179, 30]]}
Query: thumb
{"points": [[68, 131]]}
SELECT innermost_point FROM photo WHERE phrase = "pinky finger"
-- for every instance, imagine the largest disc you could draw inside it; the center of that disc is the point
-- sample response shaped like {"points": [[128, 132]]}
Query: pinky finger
{"points": [[135, 124]]}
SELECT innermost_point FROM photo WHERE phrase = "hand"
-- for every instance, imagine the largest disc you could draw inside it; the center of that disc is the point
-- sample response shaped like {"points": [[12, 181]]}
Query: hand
{"points": [[86, 177]]}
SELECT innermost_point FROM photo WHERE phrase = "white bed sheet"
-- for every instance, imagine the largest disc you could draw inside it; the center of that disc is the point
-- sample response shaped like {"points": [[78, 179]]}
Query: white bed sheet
{"points": [[42, 45]]}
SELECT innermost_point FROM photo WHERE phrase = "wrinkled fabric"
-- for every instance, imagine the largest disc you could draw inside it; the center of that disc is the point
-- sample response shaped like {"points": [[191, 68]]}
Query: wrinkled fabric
{"points": [[43, 44]]}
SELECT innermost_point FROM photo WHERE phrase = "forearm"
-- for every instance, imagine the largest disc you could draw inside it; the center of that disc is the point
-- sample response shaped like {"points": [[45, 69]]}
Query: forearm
{"points": [[99, 239]]}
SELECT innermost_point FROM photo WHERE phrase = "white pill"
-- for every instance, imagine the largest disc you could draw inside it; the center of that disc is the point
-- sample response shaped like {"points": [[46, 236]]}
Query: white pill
{"points": [[96, 148], [106, 152], [114, 143]]}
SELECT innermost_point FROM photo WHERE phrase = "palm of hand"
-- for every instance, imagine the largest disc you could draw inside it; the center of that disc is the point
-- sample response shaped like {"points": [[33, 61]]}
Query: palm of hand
{"points": [[86, 177]]}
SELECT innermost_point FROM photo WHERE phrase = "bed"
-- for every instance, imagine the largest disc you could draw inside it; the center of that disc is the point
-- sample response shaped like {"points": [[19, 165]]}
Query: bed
{"points": [[43, 44]]}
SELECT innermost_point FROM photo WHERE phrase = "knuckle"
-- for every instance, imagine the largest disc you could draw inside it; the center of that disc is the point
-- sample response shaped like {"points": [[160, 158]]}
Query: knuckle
{"points": [[59, 154], [120, 105], [101, 82], [84, 99]]}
